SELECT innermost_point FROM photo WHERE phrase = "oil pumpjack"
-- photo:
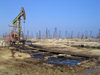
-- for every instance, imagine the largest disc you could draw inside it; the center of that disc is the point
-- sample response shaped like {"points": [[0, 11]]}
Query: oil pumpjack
{"points": [[16, 33]]}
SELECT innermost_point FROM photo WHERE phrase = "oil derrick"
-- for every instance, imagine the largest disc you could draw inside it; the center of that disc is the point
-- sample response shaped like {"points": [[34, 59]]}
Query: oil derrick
{"points": [[16, 33]]}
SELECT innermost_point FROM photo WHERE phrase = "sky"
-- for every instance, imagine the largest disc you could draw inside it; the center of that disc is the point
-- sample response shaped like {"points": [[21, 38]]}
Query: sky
{"points": [[67, 15]]}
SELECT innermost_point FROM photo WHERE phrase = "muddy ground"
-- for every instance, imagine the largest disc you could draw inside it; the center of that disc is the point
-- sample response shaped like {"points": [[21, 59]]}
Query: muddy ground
{"points": [[23, 64]]}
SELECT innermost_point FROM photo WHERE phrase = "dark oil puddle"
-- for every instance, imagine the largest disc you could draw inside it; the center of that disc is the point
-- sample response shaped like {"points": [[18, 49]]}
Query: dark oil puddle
{"points": [[57, 60], [53, 60], [40, 56], [63, 61]]}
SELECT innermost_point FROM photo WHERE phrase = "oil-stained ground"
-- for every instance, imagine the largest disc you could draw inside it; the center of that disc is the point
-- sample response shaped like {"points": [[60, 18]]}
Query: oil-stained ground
{"points": [[23, 64]]}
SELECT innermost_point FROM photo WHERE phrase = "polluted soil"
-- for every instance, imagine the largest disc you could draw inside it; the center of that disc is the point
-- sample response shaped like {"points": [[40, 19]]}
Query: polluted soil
{"points": [[25, 64]]}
